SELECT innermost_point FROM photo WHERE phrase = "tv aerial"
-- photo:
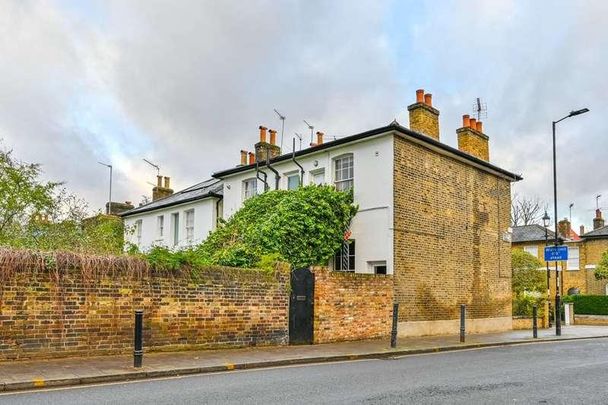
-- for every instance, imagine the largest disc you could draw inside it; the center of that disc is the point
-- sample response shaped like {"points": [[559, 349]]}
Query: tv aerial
{"points": [[480, 109], [282, 118], [312, 128], [157, 167], [300, 138]]}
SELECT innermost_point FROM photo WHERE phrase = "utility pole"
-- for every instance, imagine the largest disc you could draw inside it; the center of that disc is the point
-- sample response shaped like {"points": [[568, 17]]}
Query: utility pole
{"points": [[109, 209]]}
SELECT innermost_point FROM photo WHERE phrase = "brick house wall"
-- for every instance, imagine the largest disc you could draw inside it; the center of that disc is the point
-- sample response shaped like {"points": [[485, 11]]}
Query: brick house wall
{"points": [[43, 316], [449, 249], [351, 306], [591, 254]]}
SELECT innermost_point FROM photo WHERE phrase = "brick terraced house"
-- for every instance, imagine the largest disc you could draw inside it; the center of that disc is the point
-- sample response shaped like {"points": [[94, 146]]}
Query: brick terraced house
{"points": [[585, 250], [435, 217]]}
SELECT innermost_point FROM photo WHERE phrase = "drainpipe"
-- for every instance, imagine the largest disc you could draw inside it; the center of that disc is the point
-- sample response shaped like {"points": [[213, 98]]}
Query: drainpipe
{"points": [[277, 177], [257, 175], [293, 157]]}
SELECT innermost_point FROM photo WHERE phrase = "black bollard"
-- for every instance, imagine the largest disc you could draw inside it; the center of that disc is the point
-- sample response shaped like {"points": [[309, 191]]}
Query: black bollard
{"points": [[462, 325], [395, 322], [138, 352], [534, 321]]}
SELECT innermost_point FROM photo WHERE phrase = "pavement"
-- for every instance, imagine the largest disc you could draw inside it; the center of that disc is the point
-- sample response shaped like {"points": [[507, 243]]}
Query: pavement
{"points": [[565, 372], [23, 375]]}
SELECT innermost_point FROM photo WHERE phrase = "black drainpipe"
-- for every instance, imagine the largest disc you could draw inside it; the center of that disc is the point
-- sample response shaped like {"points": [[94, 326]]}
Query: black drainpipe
{"points": [[257, 175], [293, 157], [276, 174]]}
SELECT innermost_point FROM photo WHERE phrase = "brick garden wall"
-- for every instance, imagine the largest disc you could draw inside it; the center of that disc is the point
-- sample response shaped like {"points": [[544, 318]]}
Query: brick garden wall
{"points": [[54, 314], [350, 306]]}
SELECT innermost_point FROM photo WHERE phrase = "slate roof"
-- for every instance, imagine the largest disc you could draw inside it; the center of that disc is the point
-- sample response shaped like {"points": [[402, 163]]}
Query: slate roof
{"points": [[530, 233], [207, 188], [597, 233]]}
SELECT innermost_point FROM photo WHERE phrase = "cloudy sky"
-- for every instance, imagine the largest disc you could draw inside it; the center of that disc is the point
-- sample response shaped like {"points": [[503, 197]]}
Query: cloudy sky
{"points": [[186, 83]]}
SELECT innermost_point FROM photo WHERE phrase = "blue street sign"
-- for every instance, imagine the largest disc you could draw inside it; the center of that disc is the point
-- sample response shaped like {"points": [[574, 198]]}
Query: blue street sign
{"points": [[556, 253]]}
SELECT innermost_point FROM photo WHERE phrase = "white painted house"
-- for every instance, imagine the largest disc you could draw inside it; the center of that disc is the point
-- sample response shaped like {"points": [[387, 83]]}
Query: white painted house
{"points": [[176, 220]]}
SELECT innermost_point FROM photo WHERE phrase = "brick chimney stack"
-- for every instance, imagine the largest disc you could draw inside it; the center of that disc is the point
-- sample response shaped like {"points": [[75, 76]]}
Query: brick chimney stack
{"points": [[263, 149], [424, 118], [564, 228], [472, 140], [598, 221], [159, 191], [582, 230]]}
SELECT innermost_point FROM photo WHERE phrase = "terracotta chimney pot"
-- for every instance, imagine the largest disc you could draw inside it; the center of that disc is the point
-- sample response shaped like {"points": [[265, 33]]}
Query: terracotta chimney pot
{"points": [[466, 121], [167, 182], [251, 158], [243, 157], [263, 133], [320, 138], [420, 96], [473, 123], [479, 126], [273, 137], [428, 99]]}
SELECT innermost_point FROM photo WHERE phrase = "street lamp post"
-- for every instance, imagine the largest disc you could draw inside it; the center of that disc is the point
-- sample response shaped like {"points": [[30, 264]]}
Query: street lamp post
{"points": [[109, 210], [558, 323], [546, 221]]}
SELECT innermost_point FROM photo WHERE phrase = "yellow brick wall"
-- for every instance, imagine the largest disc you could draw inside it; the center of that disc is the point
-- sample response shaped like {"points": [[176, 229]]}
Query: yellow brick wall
{"points": [[424, 119], [474, 143], [593, 250], [449, 222]]}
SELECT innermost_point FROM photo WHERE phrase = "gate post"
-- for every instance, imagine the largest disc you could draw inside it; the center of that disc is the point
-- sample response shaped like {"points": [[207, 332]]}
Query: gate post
{"points": [[395, 323], [534, 321]]}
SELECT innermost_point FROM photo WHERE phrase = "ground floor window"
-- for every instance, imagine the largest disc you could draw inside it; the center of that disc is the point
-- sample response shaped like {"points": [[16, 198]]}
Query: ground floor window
{"points": [[345, 257], [378, 267]]}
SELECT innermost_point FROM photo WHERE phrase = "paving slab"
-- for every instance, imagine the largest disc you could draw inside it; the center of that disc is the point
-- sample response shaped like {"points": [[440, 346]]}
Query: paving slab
{"points": [[29, 374]]}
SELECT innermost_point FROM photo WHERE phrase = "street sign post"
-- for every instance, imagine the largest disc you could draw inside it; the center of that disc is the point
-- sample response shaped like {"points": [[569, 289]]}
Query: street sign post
{"points": [[556, 253]]}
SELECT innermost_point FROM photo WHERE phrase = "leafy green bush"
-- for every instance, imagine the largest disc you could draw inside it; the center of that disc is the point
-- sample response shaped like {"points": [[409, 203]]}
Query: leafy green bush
{"points": [[526, 276], [302, 227], [588, 304], [601, 272], [523, 304]]}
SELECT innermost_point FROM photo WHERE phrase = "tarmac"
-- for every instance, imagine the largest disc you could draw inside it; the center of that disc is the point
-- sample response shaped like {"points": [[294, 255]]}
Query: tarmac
{"points": [[31, 374]]}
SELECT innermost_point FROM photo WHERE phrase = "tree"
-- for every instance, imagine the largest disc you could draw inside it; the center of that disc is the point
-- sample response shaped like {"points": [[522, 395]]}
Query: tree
{"points": [[601, 271], [527, 211], [528, 283]]}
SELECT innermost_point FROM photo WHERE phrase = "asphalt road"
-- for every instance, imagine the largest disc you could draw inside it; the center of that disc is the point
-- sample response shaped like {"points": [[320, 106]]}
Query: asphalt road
{"points": [[548, 373]]}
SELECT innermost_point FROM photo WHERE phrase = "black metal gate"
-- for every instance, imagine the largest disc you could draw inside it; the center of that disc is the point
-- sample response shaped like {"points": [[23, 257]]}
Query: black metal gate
{"points": [[301, 306]]}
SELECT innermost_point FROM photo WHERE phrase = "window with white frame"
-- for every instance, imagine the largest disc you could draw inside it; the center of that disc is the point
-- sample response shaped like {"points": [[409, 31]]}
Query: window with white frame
{"points": [[138, 226], [317, 177], [345, 257], [250, 188], [293, 181], [160, 226], [573, 258], [378, 267], [344, 172], [175, 226], [533, 250], [189, 226]]}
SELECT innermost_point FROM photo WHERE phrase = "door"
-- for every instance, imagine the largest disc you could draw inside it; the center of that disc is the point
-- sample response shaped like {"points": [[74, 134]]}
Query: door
{"points": [[301, 306]]}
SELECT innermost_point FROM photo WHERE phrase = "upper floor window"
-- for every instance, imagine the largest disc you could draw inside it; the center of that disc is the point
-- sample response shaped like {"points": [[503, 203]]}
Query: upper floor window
{"points": [[175, 226], [189, 226], [345, 257], [533, 250], [293, 181], [160, 225], [138, 226], [344, 173], [573, 258], [250, 188]]}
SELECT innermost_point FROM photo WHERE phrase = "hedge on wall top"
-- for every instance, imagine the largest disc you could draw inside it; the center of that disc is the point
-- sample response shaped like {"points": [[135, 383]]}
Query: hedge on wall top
{"points": [[303, 227], [589, 304]]}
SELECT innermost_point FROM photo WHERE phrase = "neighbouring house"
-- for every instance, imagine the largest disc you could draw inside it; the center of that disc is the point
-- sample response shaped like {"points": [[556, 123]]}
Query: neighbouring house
{"points": [[584, 252], [175, 220], [435, 217]]}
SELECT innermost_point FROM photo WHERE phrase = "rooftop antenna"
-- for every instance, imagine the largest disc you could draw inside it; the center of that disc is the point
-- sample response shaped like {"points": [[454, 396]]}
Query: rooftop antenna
{"points": [[480, 109], [109, 210], [300, 138], [570, 208], [157, 167], [597, 201], [312, 128], [282, 118]]}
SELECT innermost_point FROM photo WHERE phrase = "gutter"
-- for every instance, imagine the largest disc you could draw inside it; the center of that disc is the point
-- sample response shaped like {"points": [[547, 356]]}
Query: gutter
{"points": [[293, 158], [179, 202]]}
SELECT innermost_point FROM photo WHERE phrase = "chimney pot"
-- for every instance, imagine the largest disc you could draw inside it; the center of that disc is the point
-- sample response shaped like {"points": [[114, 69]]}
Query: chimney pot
{"points": [[598, 213], [159, 181], [263, 133], [167, 182], [473, 123], [479, 126], [243, 157], [428, 99], [251, 158], [320, 137], [420, 96], [466, 122], [273, 136], [582, 230]]}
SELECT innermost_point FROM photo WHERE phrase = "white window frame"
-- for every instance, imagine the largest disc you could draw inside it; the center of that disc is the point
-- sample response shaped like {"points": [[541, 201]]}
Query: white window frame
{"points": [[373, 265], [160, 226], [344, 172], [292, 175], [250, 188], [352, 253], [138, 231], [175, 228], [533, 250], [570, 264], [315, 173], [189, 225]]}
